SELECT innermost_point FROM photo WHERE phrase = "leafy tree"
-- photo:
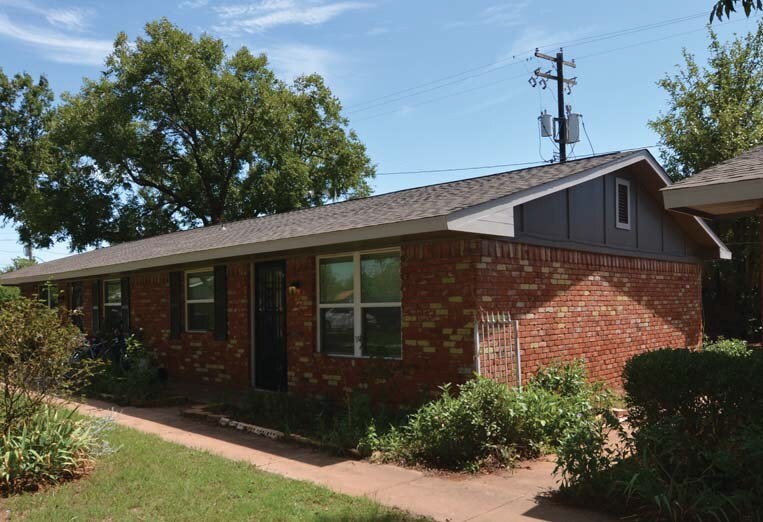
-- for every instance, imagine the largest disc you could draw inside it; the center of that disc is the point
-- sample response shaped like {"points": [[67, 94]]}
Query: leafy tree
{"points": [[24, 145], [191, 135], [7, 293], [17, 263], [726, 7], [715, 112]]}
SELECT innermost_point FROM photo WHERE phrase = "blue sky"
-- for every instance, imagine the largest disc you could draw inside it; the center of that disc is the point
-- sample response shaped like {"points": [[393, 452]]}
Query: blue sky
{"points": [[399, 67]]}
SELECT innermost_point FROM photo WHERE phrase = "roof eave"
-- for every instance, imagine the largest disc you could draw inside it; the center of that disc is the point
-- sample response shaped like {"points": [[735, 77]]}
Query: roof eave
{"points": [[398, 229]]}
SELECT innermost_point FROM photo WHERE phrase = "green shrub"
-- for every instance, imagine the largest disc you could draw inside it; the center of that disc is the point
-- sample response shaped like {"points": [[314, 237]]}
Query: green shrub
{"points": [[695, 445], [488, 422], [736, 347], [36, 345], [8, 293], [130, 378], [335, 424], [48, 447]]}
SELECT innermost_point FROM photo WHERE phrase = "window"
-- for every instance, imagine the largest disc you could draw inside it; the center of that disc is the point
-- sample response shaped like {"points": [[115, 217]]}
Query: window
{"points": [[112, 304], [359, 310], [622, 204], [200, 300]]}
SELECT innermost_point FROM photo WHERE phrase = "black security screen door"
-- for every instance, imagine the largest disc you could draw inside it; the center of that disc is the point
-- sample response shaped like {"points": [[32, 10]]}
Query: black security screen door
{"points": [[270, 326]]}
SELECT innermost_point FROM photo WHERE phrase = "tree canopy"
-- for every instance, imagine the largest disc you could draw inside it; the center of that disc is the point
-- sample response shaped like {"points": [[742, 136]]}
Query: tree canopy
{"points": [[25, 112], [726, 7], [177, 132], [8, 293], [715, 112]]}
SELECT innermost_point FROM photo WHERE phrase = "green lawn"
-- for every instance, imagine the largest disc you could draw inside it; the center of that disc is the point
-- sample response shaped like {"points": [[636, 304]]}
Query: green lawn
{"points": [[150, 479]]}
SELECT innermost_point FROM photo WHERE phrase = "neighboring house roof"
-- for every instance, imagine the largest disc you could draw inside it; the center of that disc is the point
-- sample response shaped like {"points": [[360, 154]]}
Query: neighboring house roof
{"points": [[732, 187], [468, 205], [745, 167]]}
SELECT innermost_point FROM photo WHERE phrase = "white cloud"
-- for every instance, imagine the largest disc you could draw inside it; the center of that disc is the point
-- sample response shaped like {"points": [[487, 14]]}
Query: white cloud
{"points": [[192, 4], [266, 14], [507, 14], [292, 60], [70, 18], [57, 46], [377, 31], [73, 19]]}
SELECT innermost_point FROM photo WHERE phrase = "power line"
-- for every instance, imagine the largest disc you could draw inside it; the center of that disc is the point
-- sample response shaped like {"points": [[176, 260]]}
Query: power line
{"points": [[434, 88], [438, 80], [502, 165], [513, 60], [426, 102], [434, 171], [457, 93], [585, 131], [655, 40]]}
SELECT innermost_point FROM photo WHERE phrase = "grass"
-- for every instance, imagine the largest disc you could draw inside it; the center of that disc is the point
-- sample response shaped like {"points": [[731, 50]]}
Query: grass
{"points": [[150, 479]]}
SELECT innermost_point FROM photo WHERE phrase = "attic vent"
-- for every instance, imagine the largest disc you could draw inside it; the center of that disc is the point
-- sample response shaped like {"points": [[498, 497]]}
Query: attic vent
{"points": [[622, 204]]}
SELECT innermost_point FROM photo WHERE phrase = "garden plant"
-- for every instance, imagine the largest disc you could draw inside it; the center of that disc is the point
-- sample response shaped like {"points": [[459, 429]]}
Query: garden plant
{"points": [[38, 443], [693, 445]]}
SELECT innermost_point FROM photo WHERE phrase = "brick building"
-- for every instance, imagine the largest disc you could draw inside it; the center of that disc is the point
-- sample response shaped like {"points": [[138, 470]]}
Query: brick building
{"points": [[379, 295]]}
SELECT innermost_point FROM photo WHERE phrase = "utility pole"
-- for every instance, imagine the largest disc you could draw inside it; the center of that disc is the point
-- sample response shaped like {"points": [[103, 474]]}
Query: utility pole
{"points": [[28, 252], [561, 84]]}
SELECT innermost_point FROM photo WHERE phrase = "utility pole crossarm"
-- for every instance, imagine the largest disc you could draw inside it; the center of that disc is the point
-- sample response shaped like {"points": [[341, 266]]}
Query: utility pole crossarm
{"points": [[548, 76], [539, 54], [561, 83]]}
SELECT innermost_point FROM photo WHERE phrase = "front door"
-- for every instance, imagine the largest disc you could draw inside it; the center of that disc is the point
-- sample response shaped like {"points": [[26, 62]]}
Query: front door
{"points": [[270, 326]]}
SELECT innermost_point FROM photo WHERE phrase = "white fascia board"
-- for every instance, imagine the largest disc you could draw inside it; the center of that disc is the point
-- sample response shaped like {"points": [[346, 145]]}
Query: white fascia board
{"points": [[712, 194], [474, 219], [419, 226]]}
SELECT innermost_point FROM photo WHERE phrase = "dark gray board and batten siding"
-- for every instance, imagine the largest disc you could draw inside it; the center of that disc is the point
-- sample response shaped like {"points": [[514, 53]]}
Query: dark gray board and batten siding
{"points": [[584, 217]]}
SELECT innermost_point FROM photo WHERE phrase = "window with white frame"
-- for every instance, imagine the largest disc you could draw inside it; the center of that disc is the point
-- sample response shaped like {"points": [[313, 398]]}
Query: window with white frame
{"points": [[200, 300], [359, 312], [112, 303], [622, 204]]}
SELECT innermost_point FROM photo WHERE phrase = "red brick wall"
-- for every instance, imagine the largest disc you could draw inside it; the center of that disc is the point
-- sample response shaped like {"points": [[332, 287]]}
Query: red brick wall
{"points": [[195, 356], [598, 307], [570, 304], [437, 285]]}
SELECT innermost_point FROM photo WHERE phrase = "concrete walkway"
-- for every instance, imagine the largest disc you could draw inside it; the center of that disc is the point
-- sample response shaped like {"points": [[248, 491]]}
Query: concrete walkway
{"points": [[504, 496]]}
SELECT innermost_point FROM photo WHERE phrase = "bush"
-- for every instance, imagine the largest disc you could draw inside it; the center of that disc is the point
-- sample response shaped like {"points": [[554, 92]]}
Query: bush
{"points": [[48, 447], [131, 377], [695, 449], [488, 422], [736, 347], [335, 424], [36, 345]]}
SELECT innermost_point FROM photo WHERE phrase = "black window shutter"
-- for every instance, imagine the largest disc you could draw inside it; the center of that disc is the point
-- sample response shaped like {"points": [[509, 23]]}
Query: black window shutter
{"points": [[175, 308], [221, 303], [125, 284], [96, 298]]}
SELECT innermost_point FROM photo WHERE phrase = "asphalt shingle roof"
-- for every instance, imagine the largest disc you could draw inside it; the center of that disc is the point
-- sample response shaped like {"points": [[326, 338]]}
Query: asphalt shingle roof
{"points": [[745, 167], [395, 207]]}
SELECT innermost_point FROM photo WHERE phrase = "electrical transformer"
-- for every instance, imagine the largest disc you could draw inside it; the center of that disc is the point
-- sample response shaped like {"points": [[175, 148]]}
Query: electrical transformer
{"points": [[546, 125], [573, 127]]}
